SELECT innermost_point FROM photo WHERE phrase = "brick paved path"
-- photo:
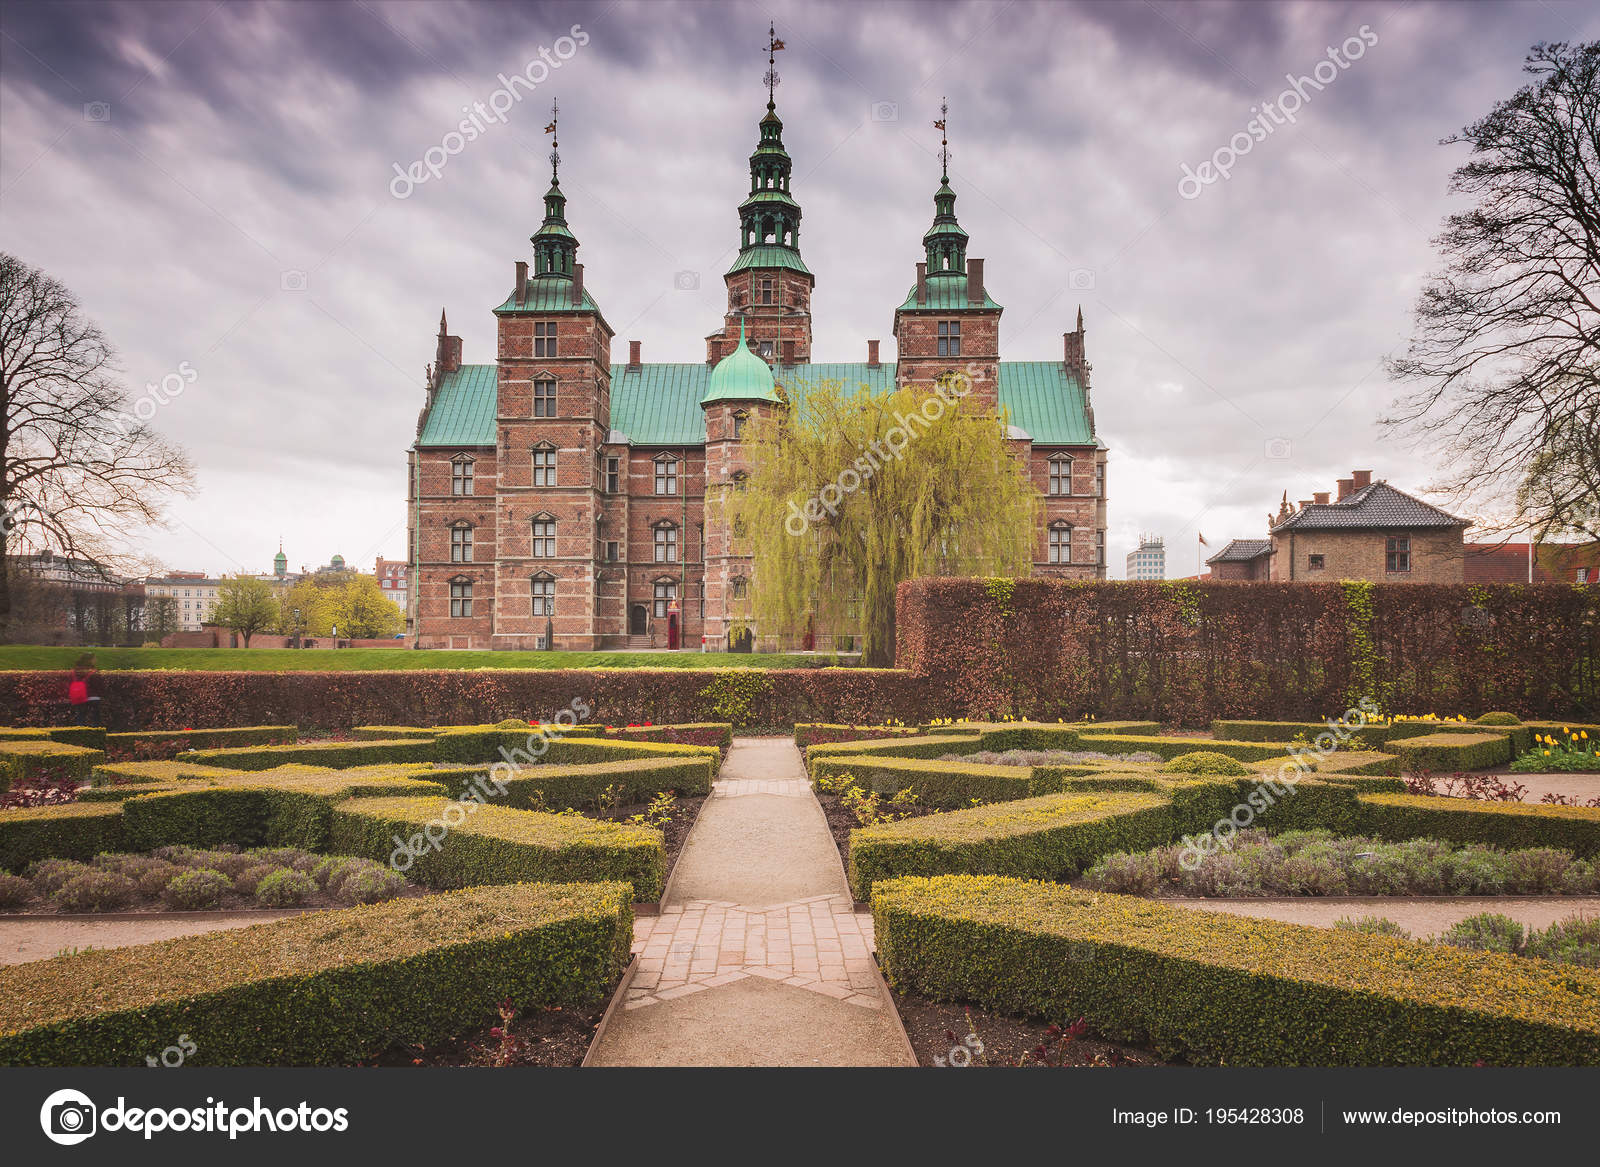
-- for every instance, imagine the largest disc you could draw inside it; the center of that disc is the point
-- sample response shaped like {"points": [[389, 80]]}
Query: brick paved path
{"points": [[758, 956]]}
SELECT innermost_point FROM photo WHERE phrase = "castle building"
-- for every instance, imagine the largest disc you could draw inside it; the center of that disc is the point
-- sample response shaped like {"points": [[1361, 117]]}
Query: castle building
{"points": [[561, 499]]}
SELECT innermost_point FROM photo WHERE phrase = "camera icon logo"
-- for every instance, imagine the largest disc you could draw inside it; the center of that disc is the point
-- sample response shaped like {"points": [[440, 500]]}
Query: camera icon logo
{"points": [[884, 111], [97, 111], [68, 1117], [686, 281], [1279, 449], [1081, 279], [292, 281]]}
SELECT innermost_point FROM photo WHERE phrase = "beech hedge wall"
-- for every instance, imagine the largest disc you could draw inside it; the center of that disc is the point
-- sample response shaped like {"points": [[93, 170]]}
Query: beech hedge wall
{"points": [[1185, 652]]}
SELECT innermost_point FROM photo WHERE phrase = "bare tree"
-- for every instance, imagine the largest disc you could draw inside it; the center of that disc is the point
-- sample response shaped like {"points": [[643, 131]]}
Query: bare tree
{"points": [[80, 473], [1506, 345]]}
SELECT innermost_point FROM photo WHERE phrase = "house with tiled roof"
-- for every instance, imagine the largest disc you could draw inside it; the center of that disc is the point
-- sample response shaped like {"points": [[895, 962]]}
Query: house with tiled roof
{"points": [[1242, 559], [1369, 530], [559, 498]]}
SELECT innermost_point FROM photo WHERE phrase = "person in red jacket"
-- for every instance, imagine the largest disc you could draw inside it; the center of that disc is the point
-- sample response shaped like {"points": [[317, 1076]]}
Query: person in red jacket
{"points": [[83, 691]]}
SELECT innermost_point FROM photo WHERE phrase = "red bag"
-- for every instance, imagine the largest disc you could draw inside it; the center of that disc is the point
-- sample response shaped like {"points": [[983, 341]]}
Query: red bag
{"points": [[78, 691]]}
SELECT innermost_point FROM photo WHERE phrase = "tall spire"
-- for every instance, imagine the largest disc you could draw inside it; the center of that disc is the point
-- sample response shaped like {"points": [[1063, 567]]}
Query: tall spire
{"points": [[769, 218], [945, 242], [554, 245]]}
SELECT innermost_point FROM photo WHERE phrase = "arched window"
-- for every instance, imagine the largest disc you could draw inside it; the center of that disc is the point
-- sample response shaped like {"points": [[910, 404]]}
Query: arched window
{"points": [[1061, 474], [543, 587], [1060, 542]]}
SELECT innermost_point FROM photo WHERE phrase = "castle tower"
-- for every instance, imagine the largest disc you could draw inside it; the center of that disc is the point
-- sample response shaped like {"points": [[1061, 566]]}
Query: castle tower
{"points": [[948, 323], [741, 391], [769, 285], [553, 381]]}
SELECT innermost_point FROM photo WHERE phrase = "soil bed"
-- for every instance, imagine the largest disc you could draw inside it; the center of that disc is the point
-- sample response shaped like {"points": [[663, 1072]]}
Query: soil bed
{"points": [[1007, 1041], [540, 1037]]}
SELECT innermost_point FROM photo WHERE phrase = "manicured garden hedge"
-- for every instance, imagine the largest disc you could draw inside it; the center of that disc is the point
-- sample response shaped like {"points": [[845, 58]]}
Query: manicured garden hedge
{"points": [[1051, 837], [1450, 751], [943, 784], [1463, 820], [336, 755], [327, 988], [494, 844], [1186, 652], [132, 743], [70, 831], [1221, 988], [91, 736], [703, 733], [1171, 747], [821, 733], [556, 787], [30, 759]]}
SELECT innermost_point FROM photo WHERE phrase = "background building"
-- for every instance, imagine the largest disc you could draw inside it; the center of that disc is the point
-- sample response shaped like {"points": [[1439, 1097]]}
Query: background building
{"points": [[1149, 560], [194, 592]]}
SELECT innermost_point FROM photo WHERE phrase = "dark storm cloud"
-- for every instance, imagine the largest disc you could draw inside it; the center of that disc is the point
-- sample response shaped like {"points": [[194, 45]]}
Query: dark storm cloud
{"points": [[233, 211]]}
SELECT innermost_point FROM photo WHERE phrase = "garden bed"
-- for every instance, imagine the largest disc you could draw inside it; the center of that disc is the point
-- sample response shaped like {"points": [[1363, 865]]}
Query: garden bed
{"points": [[936, 1028], [555, 1037]]}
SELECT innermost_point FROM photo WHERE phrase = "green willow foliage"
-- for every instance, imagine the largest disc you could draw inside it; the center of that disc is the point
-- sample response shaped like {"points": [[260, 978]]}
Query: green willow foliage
{"points": [[851, 492]]}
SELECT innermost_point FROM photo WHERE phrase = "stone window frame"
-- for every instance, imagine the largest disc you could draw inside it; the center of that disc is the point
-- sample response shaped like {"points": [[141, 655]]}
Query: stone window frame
{"points": [[949, 334], [544, 472], [542, 543], [545, 403], [1060, 542], [664, 542], [461, 541], [1060, 471], [664, 592], [542, 594], [666, 473], [461, 597], [740, 418], [738, 587], [544, 338], [462, 471]]}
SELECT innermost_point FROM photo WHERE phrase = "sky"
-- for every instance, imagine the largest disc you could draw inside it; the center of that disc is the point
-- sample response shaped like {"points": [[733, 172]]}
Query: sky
{"points": [[216, 183]]}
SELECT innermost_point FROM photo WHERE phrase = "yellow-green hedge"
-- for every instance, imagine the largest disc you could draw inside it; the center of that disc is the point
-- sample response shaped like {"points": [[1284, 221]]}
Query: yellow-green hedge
{"points": [[74, 830], [1465, 820], [1051, 837], [334, 754], [557, 787], [327, 988], [945, 784], [1219, 988], [29, 758], [494, 844], [91, 736], [1168, 748], [1450, 751]]}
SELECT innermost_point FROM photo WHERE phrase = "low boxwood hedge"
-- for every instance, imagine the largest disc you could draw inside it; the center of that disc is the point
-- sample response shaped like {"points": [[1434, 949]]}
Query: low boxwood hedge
{"points": [[123, 773], [451, 846], [942, 784], [817, 733], [326, 988], [204, 739], [90, 736], [1168, 748], [555, 787], [332, 754], [29, 759], [1051, 837], [695, 733], [1463, 820], [1221, 988], [930, 746], [74, 830], [1451, 751]]}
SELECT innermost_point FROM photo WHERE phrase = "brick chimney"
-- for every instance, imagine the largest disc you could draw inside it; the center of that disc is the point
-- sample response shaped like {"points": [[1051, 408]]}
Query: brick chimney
{"points": [[872, 354], [974, 281], [713, 348], [1304, 503], [1321, 498], [577, 285], [922, 282], [1346, 488], [633, 354], [520, 289], [1361, 478]]}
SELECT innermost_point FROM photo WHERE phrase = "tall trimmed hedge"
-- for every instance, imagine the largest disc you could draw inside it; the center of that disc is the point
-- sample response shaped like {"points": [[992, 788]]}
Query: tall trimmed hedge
{"points": [[1190, 652], [327, 988], [1221, 988]]}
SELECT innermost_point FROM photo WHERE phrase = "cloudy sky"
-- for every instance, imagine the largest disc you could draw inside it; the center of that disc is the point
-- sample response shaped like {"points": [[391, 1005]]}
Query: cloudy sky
{"points": [[214, 182]]}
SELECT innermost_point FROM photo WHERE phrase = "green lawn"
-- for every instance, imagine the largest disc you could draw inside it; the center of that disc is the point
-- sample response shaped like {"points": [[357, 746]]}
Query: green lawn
{"points": [[23, 656]]}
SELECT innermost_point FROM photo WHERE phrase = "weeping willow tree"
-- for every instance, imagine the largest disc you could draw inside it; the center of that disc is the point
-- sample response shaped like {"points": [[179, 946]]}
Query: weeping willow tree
{"points": [[850, 492]]}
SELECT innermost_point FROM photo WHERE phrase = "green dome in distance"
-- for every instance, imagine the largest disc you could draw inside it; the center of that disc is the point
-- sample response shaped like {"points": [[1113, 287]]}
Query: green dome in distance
{"points": [[741, 376]]}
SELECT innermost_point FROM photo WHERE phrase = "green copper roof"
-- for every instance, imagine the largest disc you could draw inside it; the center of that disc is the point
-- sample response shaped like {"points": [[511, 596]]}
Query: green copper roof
{"points": [[741, 376], [463, 409], [1046, 401], [547, 294], [946, 292], [769, 255], [659, 404]]}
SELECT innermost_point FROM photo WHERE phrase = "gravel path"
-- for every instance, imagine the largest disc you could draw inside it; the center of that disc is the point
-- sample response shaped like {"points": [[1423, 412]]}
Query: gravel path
{"points": [[40, 939], [1422, 917], [758, 957]]}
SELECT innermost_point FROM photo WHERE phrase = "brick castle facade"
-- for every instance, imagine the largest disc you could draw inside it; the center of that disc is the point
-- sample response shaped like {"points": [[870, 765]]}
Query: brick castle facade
{"points": [[560, 497]]}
